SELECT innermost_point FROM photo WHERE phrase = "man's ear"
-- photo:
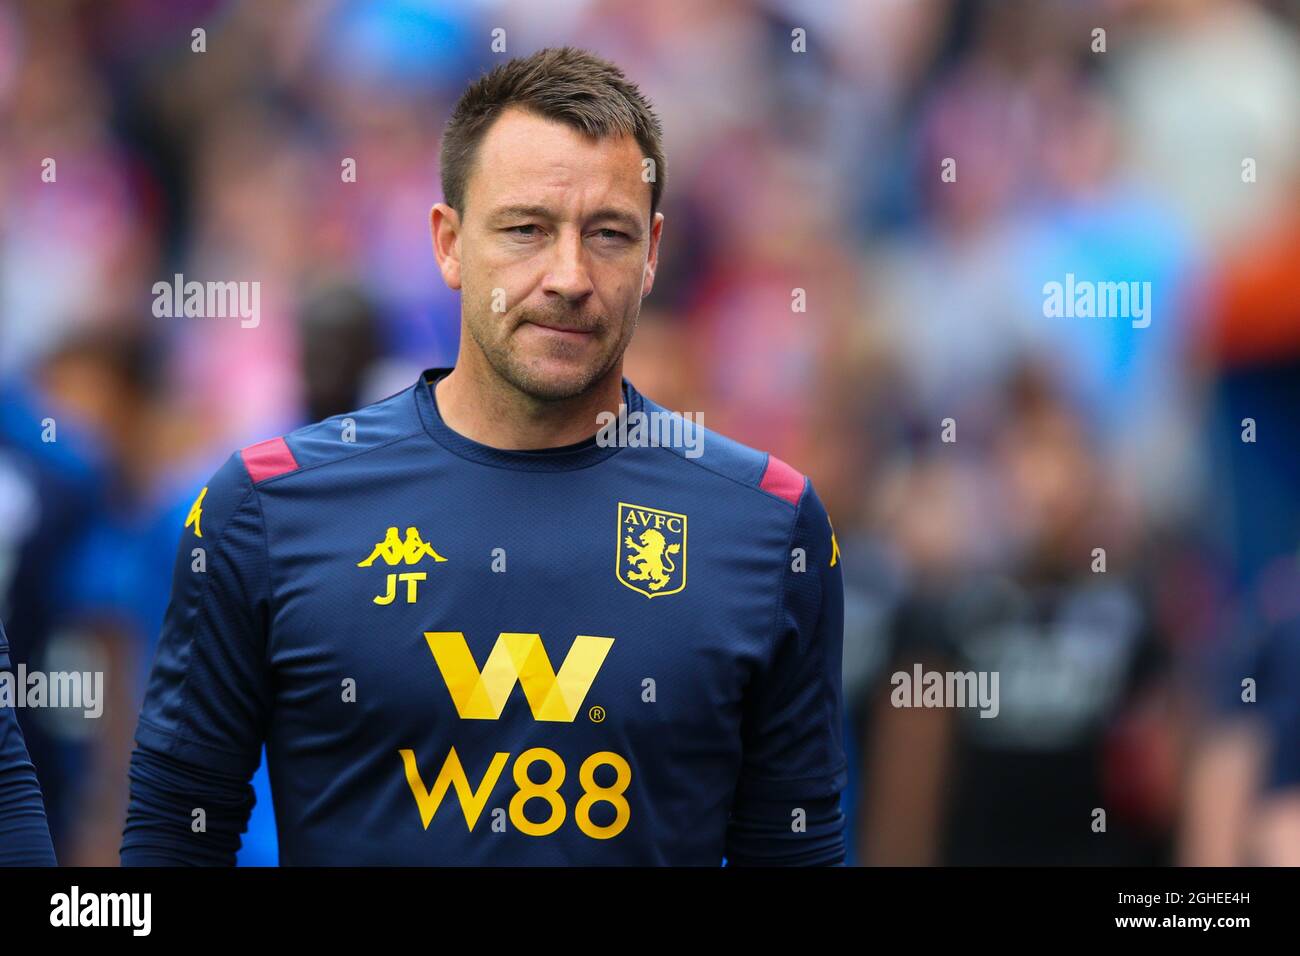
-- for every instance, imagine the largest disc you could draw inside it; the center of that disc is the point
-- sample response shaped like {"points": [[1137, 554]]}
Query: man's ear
{"points": [[444, 229], [652, 258]]}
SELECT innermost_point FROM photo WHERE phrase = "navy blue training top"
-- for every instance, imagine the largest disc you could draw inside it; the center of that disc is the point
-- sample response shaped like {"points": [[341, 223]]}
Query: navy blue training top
{"points": [[461, 655]]}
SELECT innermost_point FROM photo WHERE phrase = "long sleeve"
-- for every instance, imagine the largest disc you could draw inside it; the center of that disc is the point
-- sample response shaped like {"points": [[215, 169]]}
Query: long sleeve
{"points": [[787, 805], [24, 833], [201, 728]]}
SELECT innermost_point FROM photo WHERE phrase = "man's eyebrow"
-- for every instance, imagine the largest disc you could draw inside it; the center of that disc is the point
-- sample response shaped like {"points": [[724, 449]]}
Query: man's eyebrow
{"points": [[519, 212], [629, 221]]}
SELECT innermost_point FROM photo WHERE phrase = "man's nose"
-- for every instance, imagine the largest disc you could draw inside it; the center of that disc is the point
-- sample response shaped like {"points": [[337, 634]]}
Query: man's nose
{"points": [[566, 273]]}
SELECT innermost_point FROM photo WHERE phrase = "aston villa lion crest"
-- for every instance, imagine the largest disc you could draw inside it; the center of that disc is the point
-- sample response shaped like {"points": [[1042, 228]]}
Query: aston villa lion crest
{"points": [[651, 550]]}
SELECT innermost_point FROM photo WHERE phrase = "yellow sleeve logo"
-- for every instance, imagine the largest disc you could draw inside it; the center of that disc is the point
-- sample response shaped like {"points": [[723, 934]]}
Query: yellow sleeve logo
{"points": [[196, 513]]}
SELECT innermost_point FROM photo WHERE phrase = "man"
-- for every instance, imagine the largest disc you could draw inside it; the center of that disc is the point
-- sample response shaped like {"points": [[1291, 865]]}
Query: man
{"points": [[24, 835], [385, 597], [1067, 709]]}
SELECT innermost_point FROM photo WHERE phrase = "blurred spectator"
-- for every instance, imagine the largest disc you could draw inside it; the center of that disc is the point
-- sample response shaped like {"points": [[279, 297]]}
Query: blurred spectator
{"points": [[1073, 723]]}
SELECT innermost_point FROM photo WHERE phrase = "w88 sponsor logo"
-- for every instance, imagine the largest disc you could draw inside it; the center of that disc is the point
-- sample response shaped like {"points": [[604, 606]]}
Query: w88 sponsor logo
{"points": [[482, 693], [474, 799]]}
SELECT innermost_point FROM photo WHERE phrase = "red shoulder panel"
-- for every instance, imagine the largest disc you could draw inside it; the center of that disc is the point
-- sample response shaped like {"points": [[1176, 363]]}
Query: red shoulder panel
{"points": [[782, 480], [267, 459]]}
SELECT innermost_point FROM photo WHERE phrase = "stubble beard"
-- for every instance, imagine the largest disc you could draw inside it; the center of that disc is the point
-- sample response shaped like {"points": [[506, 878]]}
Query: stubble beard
{"points": [[503, 358]]}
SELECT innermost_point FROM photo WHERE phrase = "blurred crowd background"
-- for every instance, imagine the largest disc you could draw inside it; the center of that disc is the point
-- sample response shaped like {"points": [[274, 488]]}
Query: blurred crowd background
{"points": [[1164, 689]]}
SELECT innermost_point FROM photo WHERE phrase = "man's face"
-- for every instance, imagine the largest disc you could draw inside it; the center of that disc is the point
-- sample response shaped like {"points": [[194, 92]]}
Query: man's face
{"points": [[553, 255]]}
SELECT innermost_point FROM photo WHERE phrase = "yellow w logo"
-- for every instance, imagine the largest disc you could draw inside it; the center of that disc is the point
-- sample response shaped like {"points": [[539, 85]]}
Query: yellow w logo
{"points": [[517, 657]]}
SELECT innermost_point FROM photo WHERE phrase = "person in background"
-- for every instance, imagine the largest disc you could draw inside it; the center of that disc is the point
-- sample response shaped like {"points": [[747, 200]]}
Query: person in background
{"points": [[50, 487], [103, 385], [1080, 719], [1243, 802]]}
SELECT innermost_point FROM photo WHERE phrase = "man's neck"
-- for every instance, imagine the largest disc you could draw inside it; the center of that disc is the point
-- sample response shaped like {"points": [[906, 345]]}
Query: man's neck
{"points": [[491, 412]]}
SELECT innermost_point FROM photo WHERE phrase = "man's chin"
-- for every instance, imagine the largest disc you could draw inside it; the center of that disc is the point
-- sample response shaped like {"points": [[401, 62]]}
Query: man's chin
{"points": [[551, 379]]}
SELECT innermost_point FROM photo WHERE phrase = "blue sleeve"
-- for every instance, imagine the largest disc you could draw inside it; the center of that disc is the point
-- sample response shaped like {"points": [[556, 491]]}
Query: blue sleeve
{"points": [[200, 734], [24, 833], [787, 805]]}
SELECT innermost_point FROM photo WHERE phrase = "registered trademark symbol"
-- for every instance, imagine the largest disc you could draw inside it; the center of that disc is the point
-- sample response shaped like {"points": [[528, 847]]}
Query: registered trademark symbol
{"points": [[597, 714]]}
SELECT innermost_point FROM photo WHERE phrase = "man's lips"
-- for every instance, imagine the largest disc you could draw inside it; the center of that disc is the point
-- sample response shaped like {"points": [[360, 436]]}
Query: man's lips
{"points": [[566, 329]]}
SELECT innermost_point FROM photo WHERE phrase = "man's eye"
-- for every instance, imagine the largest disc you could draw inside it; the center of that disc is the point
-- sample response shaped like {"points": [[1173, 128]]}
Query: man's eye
{"points": [[611, 234], [527, 231]]}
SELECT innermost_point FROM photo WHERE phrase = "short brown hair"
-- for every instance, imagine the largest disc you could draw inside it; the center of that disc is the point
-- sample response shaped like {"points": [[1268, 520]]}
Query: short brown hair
{"points": [[560, 83]]}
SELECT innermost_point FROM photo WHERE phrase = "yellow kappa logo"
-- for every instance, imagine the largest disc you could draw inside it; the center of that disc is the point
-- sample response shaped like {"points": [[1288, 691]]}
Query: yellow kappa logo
{"points": [[196, 513], [651, 550], [395, 550]]}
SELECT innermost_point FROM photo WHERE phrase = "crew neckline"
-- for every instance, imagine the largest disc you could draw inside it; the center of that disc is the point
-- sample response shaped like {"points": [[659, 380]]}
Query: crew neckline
{"points": [[581, 454]]}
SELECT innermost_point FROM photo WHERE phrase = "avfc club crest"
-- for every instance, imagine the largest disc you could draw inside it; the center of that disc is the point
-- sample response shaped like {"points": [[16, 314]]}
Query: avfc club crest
{"points": [[651, 550]]}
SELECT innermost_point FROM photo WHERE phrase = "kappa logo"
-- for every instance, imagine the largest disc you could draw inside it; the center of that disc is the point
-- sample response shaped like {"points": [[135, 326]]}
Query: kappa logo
{"points": [[651, 550], [396, 550], [196, 513]]}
